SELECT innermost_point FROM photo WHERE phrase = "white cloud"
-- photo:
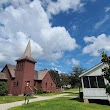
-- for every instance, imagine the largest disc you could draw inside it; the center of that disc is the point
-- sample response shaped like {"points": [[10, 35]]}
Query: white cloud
{"points": [[89, 39], [107, 9], [101, 22], [74, 27], [55, 65], [57, 70], [97, 44], [75, 62], [30, 19], [63, 6]]}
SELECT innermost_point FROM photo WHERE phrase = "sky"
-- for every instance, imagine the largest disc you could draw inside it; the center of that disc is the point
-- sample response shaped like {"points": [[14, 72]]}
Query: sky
{"points": [[64, 33]]}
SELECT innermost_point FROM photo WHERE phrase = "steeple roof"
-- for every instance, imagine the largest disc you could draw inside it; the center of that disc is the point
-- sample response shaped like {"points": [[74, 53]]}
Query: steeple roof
{"points": [[27, 54]]}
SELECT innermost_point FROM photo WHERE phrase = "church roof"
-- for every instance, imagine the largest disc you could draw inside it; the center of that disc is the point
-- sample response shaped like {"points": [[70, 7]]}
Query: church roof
{"points": [[27, 54], [26, 58], [3, 76], [11, 69], [39, 75]]}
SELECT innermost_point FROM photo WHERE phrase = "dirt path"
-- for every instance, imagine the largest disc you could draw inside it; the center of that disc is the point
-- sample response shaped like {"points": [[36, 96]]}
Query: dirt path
{"points": [[6, 106]]}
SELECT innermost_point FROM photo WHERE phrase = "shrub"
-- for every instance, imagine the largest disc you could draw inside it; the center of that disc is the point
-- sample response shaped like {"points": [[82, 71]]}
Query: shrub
{"points": [[39, 91], [3, 88], [108, 89]]}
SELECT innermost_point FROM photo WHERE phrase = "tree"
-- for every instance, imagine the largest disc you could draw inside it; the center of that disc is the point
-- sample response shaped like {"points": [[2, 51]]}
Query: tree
{"points": [[106, 70], [56, 77], [3, 88], [65, 79], [74, 78]]}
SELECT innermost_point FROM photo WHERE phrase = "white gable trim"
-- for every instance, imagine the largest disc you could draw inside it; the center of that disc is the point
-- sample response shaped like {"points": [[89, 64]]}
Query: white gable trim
{"points": [[88, 71]]}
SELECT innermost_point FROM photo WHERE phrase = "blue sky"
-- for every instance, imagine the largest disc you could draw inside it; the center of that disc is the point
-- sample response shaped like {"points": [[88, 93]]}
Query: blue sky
{"points": [[64, 33]]}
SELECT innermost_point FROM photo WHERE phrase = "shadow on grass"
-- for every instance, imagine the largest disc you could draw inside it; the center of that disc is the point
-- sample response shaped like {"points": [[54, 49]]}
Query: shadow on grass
{"points": [[96, 101], [77, 99]]}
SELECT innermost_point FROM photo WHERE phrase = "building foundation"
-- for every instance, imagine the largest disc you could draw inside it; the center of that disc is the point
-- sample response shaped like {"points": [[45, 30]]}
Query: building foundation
{"points": [[86, 101]]}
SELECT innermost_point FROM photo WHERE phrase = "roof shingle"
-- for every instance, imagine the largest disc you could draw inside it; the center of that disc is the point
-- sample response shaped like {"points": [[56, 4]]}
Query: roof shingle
{"points": [[39, 75], [3, 76], [11, 69]]}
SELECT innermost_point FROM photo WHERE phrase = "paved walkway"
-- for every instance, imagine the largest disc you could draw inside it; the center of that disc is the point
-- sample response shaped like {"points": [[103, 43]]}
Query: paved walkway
{"points": [[39, 98]]}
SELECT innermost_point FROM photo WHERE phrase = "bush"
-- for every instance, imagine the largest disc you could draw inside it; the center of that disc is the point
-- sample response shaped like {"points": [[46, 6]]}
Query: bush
{"points": [[3, 88], [39, 91], [108, 89]]}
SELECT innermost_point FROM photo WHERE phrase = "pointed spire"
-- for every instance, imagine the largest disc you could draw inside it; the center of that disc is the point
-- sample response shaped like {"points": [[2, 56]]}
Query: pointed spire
{"points": [[27, 52]]}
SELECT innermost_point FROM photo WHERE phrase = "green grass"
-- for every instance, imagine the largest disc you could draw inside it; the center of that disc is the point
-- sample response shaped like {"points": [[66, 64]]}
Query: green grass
{"points": [[73, 90], [8, 99], [50, 94], [61, 104], [62, 92], [73, 94]]}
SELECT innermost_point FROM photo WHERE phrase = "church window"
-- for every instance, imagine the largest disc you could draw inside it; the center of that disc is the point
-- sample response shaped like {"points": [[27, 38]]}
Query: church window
{"points": [[46, 84], [15, 83], [19, 66], [27, 83]]}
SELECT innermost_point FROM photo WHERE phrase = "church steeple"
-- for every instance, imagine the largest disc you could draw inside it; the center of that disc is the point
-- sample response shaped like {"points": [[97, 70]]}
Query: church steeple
{"points": [[27, 52], [25, 71]]}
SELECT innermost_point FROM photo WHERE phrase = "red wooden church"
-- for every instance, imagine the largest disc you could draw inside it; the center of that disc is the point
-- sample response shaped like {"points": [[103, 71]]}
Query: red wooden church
{"points": [[22, 78]]}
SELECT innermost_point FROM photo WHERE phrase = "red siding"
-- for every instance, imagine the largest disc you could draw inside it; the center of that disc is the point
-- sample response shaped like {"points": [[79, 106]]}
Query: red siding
{"points": [[48, 84], [9, 80], [24, 75]]}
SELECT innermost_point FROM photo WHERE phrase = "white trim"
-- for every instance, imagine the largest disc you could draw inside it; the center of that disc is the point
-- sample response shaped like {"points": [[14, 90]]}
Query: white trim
{"points": [[100, 64]]}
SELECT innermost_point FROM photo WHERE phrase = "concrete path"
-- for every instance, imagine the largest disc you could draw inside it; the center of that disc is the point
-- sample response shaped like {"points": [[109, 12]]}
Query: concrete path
{"points": [[6, 106]]}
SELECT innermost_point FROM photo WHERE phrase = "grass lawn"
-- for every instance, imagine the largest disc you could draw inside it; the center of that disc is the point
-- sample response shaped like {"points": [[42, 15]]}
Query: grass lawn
{"points": [[73, 94], [8, 99], [61, 104], [71, 91], [74, 90], [50, 94]]}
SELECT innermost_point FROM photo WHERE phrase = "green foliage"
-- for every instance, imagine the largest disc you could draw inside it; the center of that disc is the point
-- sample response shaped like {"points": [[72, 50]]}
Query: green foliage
{"points": [[74, 78], [108, 88], [39, 91], [56, 77], [106, 71], [3, 88], [65, 79]]}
